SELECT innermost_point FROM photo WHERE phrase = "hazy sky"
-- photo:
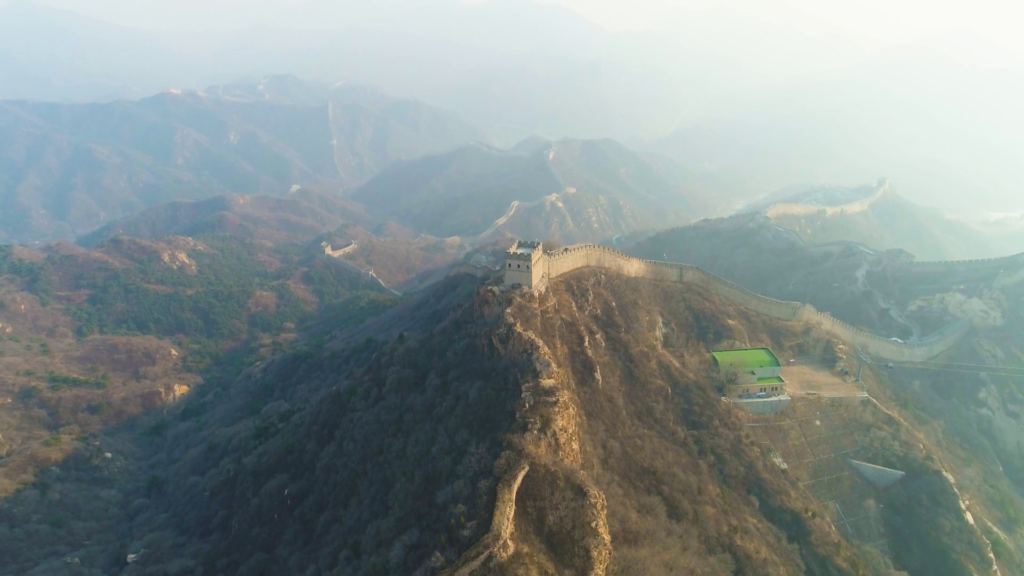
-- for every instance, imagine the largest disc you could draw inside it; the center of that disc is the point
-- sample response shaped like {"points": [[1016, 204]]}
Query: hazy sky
{"points": [[873, 21], [985, 31], [830, 79]]}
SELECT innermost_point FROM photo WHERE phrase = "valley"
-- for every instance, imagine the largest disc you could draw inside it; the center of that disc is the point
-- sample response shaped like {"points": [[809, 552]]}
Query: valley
{"points": [[98, 338]]}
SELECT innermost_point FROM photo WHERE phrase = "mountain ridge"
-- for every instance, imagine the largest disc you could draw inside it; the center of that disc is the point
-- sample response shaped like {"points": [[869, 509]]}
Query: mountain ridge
{"points": [[539, 189], [69, 168]]}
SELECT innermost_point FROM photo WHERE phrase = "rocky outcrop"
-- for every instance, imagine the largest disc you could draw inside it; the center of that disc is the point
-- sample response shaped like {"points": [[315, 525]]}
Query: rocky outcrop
{"points": [[497, 546], [178, 258], [544, 492]]}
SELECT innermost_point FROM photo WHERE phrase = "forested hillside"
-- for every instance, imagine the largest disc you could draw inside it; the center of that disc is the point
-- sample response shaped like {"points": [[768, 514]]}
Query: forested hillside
{"points": [[391, 447], [96, 338], [297, 217], [966, 402]]}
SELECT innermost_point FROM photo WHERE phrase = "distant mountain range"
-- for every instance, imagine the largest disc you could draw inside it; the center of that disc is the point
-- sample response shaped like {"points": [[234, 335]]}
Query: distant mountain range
{"points": [[66, 169], [571, 190], [748, 121], [370, 129], [879, 217]]}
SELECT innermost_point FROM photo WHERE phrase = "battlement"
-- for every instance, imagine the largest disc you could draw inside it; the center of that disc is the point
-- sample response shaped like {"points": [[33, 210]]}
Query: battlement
{"points": [[542, 267], [524, 264]]}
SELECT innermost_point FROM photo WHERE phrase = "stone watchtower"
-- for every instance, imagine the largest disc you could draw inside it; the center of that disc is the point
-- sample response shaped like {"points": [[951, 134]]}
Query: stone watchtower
{"points": [[524, 264]]}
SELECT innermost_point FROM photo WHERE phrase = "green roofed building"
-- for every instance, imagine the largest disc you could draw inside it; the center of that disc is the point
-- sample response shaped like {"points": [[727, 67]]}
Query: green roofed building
{"points": [[758, 373]]}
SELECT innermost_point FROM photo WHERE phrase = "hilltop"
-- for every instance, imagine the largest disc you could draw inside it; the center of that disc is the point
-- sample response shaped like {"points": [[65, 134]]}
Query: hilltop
{"points": [[93, 339], [298, 216], [298, 222]]}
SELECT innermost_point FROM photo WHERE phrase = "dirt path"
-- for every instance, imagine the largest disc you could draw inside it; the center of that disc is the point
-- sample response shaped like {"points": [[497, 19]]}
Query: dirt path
{"points": [[806, 380]]}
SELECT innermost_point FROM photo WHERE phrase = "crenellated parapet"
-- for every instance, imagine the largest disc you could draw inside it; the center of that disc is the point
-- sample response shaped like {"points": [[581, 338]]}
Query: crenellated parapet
{"points": [[546, 267]]}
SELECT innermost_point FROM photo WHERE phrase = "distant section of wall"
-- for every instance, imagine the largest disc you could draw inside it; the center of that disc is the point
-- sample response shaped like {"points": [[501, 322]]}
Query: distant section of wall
{"points": [[841, 245], [589, 255], [473, 270], [1007, 263], [368, 273], [329, 251], [806, 209]]}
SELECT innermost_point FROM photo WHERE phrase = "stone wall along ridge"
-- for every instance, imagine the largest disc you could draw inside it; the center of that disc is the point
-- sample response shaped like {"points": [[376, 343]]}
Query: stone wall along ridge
{"points": [[589, 255], [368, 273], [975, 265], [790, 209]]}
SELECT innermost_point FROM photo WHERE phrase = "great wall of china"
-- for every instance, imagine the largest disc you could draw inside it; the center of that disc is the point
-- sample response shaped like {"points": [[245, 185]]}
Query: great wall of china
{"points": [[924, 266], [977, 265], [562, 262], [792, 209], [362, 272], [947, 266]]}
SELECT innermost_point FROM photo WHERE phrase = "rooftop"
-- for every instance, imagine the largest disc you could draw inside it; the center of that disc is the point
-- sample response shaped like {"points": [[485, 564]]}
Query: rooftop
{"points": [[745, 360], [523, 249]]}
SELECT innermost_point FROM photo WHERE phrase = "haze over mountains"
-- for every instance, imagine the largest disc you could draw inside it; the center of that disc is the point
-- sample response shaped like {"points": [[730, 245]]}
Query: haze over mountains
{"points": [[259, 312], [880, 218], [800, 108], [572, 190], [68, 168]]}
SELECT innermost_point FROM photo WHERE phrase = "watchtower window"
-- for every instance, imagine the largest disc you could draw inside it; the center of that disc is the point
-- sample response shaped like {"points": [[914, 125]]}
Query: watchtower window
{"points": [[509, 264], [527, 266], [519, 266]]}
